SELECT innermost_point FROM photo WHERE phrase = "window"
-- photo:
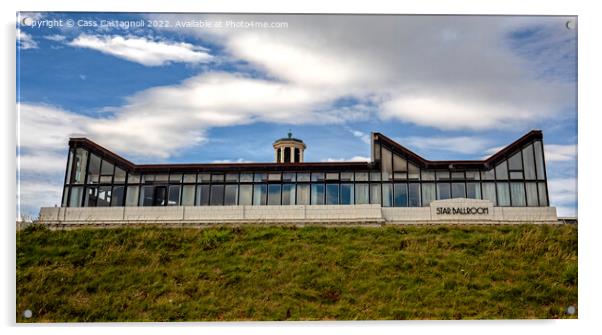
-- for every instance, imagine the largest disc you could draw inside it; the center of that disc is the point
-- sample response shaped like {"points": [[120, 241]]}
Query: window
{"points": [[217, 177], [81, 159], [517, 190], [91, 197], [361, 194], [387, 195], [69, 164], [543, 195], [231, 195], [204, 177], [246, 177], [332, 194], [117, 196], [400, 192], [260, 177], [75, 199], [428, 175], [297, 155], [147, 195], [347, 194], [428, 193], [457, 176], [501, 171], [288, 194], [190, 178], [274, 194], [442, 175], [174, 195], [274, 177], [515, 162], [458, 190], [175, 178], [400, 167], [317, 176], [119, 175], [375, 176], [302, 194], [104, 196], [488, 175], [202, 195], [414, 195], [217, 195], [133, 178], [362, 176], [375, 193], [231, 177], [473, 190], [472, 175], [539, 161], [413, 172], [94, 169], [443, 191], [287, 155], [246, 195], [489, 193], [516, 175], [386, 164], [188, 194], [346, 176], [65, 196], [503, 194], [289, 176], [260, 194], [532, 198], [332, 176], [376, 151], [317, 194], [529, 161], [302, 176], [106, 172], [132, 196]]}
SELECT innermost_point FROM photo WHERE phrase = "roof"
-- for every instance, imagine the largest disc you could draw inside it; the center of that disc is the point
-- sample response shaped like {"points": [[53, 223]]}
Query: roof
{"points": [[485, 164], [315, 166], [289, 138]]}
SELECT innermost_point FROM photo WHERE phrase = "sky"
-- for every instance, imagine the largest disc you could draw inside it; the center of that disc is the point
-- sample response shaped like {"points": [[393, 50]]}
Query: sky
{"points": [[173, 88]]}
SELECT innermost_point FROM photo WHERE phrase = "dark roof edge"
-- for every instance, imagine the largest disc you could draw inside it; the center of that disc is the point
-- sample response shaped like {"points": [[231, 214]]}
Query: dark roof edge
{"points": [[87, 143], [485, 164]]}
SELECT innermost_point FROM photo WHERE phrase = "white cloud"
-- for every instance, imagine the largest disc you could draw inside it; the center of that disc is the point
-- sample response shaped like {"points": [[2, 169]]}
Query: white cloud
{"points": [[222, 161], [142, 50], [460, 144], [25, 41], [446, 72], [44, 162], [562, 191], [36, 193], [55, 38], [352, 159], [560, 152]]}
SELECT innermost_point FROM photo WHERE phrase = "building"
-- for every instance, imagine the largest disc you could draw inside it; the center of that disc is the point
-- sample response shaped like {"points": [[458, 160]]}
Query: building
{"points": [[397, 185]]}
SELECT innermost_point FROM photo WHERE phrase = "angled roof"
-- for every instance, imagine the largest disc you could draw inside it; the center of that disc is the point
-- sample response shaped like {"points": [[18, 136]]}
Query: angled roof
{"points": [[485, 164], [315, 166]]}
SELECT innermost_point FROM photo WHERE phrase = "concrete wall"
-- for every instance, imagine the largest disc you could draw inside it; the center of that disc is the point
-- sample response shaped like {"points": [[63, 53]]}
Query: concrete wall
{"points": [[441, 211]]}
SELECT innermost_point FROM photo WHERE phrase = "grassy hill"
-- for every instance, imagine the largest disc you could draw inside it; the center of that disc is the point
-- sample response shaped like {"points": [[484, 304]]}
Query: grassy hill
{"points": [[288, 273]]}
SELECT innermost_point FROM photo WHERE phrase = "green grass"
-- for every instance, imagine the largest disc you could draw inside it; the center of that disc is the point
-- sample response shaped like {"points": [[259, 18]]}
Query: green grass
{"points": [[288, 273]]}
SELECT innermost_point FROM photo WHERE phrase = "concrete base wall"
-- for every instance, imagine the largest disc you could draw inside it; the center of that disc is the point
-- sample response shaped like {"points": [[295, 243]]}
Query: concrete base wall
{"points": [[439, 212]]}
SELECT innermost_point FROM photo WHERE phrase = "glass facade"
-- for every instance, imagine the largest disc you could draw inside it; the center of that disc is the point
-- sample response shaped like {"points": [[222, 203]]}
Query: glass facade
{"points": [[95, 178]]}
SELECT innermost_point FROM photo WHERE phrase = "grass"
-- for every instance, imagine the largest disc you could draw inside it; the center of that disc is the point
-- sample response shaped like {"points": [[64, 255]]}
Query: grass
{"points": [[289, 273]]}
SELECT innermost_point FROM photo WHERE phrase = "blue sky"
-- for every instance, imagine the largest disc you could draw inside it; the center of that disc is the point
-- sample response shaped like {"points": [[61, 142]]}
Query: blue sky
{"points": [[447, 87]]}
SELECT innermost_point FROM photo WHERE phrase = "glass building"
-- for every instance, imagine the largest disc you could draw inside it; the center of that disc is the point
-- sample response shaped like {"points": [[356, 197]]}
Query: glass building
{"points": [[395, 177]]}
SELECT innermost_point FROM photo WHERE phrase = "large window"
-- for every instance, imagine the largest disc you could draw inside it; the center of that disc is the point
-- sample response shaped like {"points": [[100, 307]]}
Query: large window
{"points": [[375, 193], [428, 193], [387, 195], [302, 194], [317, 194], [332, 194], [202, 195], [347, 194], [503, 194], [517, 190], [81, 161], [274, 194], [246, 195], [260, 194], [132, 196], [414, 195], [400, 192], [94, 169], [288, 194], [489, 193], [473, 190], [231, 195], [174, 195], [458, 190], [117, 196], [188, 195], [362, 194], [217, 195], [443, 191]]}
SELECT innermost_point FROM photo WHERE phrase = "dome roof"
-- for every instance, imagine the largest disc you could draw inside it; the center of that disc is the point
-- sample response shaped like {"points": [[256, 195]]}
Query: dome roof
{"points": [[289, 138]]}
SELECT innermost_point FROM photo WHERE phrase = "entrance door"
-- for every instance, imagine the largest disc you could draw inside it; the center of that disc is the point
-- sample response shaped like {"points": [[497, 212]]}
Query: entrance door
{"points": [[160, 197]]}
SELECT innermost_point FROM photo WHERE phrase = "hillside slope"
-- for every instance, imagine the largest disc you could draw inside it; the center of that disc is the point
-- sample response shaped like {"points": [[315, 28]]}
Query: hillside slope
{"points": [[288, 273]]}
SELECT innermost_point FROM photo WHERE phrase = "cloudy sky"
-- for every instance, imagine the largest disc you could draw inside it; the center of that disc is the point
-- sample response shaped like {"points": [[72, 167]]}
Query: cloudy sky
{"points": [[215, 88]]}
